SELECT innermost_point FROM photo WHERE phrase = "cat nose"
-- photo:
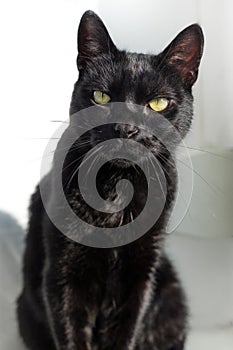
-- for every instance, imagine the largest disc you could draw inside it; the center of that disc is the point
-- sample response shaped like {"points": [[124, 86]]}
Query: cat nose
{"points": [[132, 130], [126, 130]]}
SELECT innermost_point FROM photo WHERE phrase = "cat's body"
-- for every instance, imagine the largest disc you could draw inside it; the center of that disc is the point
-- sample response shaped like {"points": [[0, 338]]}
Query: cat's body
{"points": [[125, 298]]}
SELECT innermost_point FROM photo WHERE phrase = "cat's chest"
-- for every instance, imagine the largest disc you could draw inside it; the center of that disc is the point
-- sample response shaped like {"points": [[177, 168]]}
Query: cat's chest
{"points": [[104, 218], [114, 272]]}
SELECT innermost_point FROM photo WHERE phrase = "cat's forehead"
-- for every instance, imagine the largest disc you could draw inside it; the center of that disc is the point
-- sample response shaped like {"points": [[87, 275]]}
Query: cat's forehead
{"points": [[138, 63]]}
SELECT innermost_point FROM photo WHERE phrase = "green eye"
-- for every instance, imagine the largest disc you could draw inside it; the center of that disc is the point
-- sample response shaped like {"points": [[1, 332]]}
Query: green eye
{"points": [[159, 104], [100, 97]]}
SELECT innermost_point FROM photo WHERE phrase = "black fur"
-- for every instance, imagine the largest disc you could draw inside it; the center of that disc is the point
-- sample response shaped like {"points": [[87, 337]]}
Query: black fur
{"points": [[80, 298]]}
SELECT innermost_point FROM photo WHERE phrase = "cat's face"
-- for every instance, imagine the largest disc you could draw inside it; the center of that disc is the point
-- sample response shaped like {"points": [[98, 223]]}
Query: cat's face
{"points": [[158, 83]]}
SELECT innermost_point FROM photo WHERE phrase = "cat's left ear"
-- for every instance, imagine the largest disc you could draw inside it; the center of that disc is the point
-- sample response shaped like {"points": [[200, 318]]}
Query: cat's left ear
{"points": [[185, 53], [93, 39]]}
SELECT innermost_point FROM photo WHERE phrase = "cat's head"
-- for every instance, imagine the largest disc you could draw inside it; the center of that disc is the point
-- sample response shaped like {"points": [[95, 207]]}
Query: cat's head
{"points": [[159, 83]]}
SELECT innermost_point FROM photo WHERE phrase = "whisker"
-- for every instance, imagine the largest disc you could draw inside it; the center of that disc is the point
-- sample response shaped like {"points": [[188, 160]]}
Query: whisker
{"points": [[212, 187], [70, 180], [76, 170], [121, 219], [178, 192], [59, 121], [148, 171], [157, 178], [73, 162], [206, 151], [92, 154], [51, 153], [42, 138], [91, 165]]}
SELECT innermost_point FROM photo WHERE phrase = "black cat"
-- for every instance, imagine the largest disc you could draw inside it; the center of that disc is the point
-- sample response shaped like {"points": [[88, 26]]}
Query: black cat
{"points": [[77, 297]]}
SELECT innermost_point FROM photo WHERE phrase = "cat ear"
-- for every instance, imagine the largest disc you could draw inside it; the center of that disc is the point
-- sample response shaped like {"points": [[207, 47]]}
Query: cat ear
{"points": [[93, 38], [185, 53]]}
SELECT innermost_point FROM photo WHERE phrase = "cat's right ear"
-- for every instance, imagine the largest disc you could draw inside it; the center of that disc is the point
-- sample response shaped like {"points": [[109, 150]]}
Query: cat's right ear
{"points": [[93, 39]]}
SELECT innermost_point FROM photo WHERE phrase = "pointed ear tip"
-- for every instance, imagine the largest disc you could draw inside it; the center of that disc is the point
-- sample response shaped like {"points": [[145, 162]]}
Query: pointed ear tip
{"points": [[87, 15], [196, 29]]}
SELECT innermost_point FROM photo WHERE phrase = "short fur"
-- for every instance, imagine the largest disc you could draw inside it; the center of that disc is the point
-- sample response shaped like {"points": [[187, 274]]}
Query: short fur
{"points": [[127, 298]]}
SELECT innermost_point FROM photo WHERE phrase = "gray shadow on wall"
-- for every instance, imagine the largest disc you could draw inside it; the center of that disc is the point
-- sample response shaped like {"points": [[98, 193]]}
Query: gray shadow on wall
{"points": [[11, 249]]}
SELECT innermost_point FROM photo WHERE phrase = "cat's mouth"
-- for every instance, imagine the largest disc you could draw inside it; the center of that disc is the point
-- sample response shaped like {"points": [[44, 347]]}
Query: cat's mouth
{"points": [[124, 154]]}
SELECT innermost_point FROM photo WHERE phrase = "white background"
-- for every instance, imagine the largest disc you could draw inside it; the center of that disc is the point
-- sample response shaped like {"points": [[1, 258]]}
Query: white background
{"points": [[37, 73]]}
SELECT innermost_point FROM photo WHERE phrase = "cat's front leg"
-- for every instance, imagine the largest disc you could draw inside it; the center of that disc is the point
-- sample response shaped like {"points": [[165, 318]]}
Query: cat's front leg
{"points": [[67, 313], [120, 324]]}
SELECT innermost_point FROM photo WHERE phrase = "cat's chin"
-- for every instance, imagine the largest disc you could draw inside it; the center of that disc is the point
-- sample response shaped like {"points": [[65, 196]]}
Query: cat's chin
{"points": [[122, 163], [125, 163]]}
